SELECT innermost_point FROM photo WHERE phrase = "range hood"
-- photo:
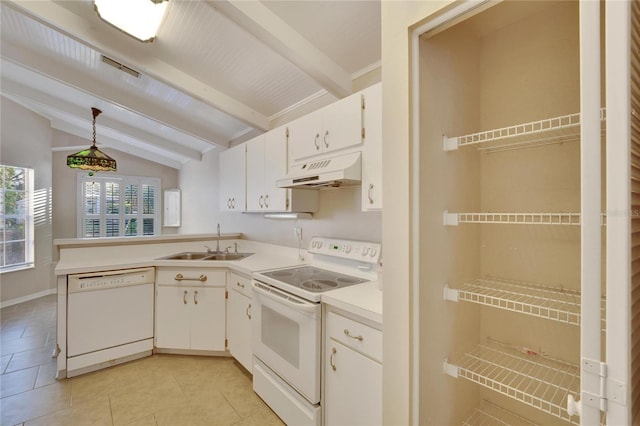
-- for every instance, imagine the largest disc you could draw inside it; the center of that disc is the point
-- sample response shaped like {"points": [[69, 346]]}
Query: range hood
{"points": [[333, 172]]}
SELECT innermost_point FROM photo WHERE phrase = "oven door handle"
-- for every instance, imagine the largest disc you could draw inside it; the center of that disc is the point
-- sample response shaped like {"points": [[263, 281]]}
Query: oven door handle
{"points": [[284, 298]]}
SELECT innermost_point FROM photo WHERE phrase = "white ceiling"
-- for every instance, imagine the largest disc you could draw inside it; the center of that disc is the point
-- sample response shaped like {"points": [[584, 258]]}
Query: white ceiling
{"points": [[218, 71]]}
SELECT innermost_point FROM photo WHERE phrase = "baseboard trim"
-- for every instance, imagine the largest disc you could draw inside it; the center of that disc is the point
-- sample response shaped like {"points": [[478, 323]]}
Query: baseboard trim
{"points": [[28, 297]]}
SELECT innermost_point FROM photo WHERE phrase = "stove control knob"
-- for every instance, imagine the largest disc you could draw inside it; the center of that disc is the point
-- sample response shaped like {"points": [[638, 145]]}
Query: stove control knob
{"points": [[347, 249], [365, 251], [373, 252]]}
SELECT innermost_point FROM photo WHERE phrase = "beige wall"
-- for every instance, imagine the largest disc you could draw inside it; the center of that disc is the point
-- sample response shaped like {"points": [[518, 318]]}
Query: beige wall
{"points": [[65, 181], [339, 212], [26, 139]]}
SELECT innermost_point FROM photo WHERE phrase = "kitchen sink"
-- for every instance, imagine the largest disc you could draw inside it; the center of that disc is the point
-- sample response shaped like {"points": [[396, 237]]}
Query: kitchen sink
{"points": [[187, 255], [203, 255], [227, 256]]}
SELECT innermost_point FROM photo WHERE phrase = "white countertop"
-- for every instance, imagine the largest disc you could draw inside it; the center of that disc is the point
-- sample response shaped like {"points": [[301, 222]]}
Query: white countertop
{"points": [[364, 300]]}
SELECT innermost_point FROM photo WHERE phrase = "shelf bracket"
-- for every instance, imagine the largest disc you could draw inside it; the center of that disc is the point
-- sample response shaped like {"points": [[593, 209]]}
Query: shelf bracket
{"points": [[449, 144], [450, 369], [450, 294], [450, 219]]}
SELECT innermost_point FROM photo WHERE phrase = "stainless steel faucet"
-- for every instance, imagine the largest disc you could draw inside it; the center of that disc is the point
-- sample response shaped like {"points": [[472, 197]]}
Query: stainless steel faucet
{"points": [[218, 240]]}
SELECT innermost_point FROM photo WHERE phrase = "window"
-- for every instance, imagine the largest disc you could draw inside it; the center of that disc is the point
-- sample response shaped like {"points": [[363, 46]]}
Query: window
{"points": [[16, 215], [118, 206]]}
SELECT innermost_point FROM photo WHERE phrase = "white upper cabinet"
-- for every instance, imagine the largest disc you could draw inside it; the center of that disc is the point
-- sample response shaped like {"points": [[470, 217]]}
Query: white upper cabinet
{"points": [[233, 179], [266, 163], [372, 149], [329, 129], [257, 197]]}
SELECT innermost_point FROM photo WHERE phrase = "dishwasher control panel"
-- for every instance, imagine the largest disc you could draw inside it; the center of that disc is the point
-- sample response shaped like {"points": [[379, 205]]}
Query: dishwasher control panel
{"points": [[103, 280]]}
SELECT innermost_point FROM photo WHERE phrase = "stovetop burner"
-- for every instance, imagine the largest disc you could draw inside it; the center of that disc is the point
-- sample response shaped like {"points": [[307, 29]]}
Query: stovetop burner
{"points": [[313, 279]]}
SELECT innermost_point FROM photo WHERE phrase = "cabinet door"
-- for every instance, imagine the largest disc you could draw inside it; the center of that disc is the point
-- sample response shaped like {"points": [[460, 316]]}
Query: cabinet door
{"points": [[275, 167], [207, 318], [172, 317], [233, 179], [305, 136], [256, 193], [372, 149], [239, 328], [342, 124], [353, 394]]}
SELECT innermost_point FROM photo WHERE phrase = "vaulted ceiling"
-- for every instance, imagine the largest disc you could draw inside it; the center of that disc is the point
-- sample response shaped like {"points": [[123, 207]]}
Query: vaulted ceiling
{"points": [[217, 72]]}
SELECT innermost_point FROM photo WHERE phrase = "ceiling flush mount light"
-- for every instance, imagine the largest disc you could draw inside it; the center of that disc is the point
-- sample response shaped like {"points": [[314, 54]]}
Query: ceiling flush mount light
{"points": [[138, 18], [92, 158]]}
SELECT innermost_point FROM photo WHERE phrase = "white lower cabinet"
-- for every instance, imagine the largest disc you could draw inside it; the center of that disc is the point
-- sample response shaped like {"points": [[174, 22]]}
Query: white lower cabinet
{"points": [[239, 320], [352, 372], [190, 309]]}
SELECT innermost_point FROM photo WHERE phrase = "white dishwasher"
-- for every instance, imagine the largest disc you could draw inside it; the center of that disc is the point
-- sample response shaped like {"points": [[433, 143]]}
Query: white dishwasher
{"points": [[109, 318]]}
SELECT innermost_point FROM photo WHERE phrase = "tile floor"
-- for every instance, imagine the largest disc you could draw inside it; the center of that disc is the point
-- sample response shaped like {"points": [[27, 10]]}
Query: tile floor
{"points": [[155, 391]]}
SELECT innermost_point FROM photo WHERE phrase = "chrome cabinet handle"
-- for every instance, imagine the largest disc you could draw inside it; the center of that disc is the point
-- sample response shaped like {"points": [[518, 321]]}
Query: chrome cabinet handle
{"points": [[266, 201], [184, 297], [370, 193], [195, 297], [233, 203], [260, 201], [333, 353], [248, 309], [346, 333], [315, 142], [326, 138], [202, 278], [229, 202]]}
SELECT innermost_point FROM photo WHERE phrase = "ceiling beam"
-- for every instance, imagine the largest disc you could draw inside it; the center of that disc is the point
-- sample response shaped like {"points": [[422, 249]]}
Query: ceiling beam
{"points": [[259, 20], [72, 25], [127, 100], [64, 108]]}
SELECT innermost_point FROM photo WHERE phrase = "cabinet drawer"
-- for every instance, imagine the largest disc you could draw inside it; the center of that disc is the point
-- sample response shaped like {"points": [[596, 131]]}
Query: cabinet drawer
{"points": [[191, 276], [241, 284], [355, 335]]}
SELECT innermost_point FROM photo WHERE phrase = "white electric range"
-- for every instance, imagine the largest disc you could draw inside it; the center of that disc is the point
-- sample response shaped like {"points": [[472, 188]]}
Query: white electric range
{"points": [[287, 324]]}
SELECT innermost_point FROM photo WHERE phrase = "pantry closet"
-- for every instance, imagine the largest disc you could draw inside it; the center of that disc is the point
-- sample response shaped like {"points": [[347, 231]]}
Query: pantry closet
{"points": [[519, 200]]}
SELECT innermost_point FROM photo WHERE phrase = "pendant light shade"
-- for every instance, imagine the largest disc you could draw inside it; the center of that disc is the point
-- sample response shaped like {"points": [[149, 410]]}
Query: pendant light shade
{"points": [[92, 158]]}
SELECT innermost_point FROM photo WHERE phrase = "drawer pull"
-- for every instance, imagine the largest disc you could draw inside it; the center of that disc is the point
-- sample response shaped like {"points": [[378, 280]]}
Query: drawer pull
{"points": [[202, 278], [240, 285], [333, 353], [248, 309], [184, 297], [195, 297], [346, 333]]}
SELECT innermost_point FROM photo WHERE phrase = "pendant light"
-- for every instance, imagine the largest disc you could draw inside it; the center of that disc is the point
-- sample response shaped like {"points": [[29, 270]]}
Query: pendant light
{"points": [[92, 158]]}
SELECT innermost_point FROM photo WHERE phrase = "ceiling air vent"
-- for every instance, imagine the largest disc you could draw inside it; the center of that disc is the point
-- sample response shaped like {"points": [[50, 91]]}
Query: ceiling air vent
{"points": [[120, 66]]}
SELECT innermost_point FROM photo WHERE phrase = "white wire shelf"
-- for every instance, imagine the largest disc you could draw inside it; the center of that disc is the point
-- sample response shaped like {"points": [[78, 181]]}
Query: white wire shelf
{"points": [[542, 301], [490, 414], [564, 128], [522, 374], [453, 219]]}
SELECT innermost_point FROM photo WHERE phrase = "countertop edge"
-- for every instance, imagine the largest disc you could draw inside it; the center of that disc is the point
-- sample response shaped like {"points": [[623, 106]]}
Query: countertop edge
{"points": [[152, 239]]}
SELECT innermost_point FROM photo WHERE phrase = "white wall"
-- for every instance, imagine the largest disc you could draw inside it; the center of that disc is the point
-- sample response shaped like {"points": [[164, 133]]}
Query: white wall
{"points": [[65, 181], [339, 212], [25, 142]]}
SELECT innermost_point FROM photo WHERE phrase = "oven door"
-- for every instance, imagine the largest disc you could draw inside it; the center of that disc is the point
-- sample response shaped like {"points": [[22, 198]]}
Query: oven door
{"points": [[286, 337]]}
